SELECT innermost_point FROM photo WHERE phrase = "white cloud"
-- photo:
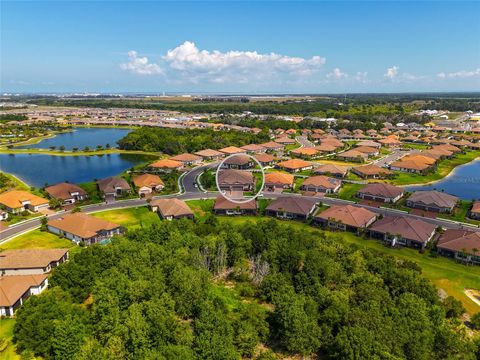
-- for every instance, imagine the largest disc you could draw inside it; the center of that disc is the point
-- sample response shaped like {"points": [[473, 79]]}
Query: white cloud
{"points": [[140, 65], [361, 76], [460, 74], [392, 72], [337, 74], [187, 63]]}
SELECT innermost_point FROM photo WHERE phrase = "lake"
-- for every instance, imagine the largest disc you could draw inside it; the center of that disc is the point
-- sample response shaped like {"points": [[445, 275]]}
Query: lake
{"points": [[81, 137], [464, 182], [38, 169]]}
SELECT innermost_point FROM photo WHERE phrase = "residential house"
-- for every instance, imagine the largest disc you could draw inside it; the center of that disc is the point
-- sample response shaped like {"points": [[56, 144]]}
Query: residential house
{"points": [[331, 170], [390, 141], [277, 181], [82, 228], [166, 166], [147, 183], [306, 153], [170, 209], [371, 171], [67, 193], [223, 206], [463, 245], [370, 151], [17, 201], [31, 261], [352, 155], [432, 200], [285, 140], [209, 154], [295, 165], [326, 148], [113, 186], [402, 230], [265, 159], [232, 150], [381, 192], [14, 290], [474, 212], [345, 217], [235, 180], [241, 162], [254, 149], [413, 165], [298, 208], [321, 184], [272, 146], [187, 159]]}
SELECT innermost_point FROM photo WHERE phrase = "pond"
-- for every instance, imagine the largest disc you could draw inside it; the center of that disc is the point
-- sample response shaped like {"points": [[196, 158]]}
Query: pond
{"points": [[464, 182], [80, 138], [38, 169]]}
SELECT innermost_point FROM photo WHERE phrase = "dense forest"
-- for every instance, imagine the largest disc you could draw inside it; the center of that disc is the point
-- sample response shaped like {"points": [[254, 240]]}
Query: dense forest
{"points": [[12, 117], [207, 290], [176, 141]]}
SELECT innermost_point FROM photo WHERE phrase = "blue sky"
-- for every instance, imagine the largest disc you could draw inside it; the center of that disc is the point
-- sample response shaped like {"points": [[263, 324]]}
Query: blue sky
{"points": [[239, 46]]}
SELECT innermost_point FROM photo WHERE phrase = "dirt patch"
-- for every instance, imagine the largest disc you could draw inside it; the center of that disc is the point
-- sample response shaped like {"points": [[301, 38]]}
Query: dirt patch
{"points": [[423, 213]]}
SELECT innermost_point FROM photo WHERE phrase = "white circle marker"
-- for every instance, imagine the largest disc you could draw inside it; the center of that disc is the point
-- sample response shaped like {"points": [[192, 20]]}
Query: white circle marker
{"points": [[247, 199]]}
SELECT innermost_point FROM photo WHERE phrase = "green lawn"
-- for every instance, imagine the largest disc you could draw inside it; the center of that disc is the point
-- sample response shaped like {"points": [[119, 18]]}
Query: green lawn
{"points": [[37, 239], [348, 191], [130, 218], [201, 207], [460, 213], [6, 334]]}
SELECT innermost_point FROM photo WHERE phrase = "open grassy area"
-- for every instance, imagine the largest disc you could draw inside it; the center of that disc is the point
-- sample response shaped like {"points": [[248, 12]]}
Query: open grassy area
{"points": [[14, 183], [201, 207], [37, 239], [443, 169], [6, 334], [348, 191], [131, 218]]}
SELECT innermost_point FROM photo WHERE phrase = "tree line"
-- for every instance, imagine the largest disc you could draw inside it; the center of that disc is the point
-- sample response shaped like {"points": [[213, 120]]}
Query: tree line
{"points": [[207, 290]]}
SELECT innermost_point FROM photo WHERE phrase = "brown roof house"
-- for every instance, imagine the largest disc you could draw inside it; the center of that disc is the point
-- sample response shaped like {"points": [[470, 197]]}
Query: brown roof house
{"points": [[352, 155], [432, 200], [321, 184], [474, 212], [17, 201], [372, 171], [345, 217], [370, 151], [277, 181], [187, 159], [295, 165], [209, 154], [165, 165], [231, 150], [68, 193], [305, 153], [14, 290], [170, 209], [265, 159], [147, 183], [331, 170], [402, 230], [236, 180], [272, 146], [113, 186], [298, 208], [240, 162], [80, 227], [31, 261], [381, 192], [223, 206], [463, 245], [254, 149]]}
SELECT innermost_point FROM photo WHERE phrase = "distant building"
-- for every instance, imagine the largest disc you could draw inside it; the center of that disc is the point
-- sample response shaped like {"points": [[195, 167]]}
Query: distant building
{"points": [[381, 192], [114, 186], [224, 206], [432, 200], [291, 208], [463, 245], [345, 217], [67, 193], [170, 209], [14, 290], [31, 261], [17, 201]]}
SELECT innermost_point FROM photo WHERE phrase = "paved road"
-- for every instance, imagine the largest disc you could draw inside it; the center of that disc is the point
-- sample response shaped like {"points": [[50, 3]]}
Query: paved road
{"points": [[191, 192], [304, 142], [397, 154]]}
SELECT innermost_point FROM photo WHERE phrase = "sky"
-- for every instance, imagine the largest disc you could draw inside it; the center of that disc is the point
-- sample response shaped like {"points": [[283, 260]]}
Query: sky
{"points": [[239, 47]]}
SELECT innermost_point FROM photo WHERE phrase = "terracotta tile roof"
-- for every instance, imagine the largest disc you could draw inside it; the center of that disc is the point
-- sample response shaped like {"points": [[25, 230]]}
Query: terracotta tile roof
{"points": [[232, 177], [366, 149], [332, 141], [265, 158], [167, 164], [29, 258], [82, 225], [272, 145], [294, 205], [352, 154], [186, 157], [253, 147], [14, 198], [476, 207], [221, 203], [410, 164], [279, 178], [148, 180], [369, 143], [348, 215], [305, 151], [460, 240], [390, 140], [331, 169], [323, 181], [64, 191], [419, 157], [110, 184], [371, 169], [232, 150], [238, 160], [408, 228], [172, 207], [382, 189], [209, 153], [433, 197], [285, 140], [13, 287], [325, 147], [294, 164]]}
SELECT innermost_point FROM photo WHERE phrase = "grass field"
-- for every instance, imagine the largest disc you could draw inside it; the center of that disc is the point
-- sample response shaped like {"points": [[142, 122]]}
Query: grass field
{"points": [[37, 239], [130, 218], [348, 191], [6, 333]]}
